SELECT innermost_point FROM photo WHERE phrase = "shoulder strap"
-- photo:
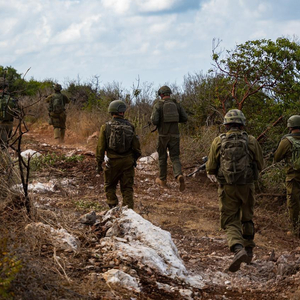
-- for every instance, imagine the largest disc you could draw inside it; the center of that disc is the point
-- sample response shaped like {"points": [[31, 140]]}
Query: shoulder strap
{"points": [[289, 138], [107, 130], [292, 140], [222, 136]]}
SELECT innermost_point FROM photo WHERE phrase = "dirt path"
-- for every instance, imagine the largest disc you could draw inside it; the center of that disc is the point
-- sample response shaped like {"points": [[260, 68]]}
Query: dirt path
{"points": [[191, 217]]}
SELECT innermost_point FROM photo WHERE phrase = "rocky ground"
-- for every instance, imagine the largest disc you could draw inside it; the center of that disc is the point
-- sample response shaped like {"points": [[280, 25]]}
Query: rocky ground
{"points": [[51, 271]]}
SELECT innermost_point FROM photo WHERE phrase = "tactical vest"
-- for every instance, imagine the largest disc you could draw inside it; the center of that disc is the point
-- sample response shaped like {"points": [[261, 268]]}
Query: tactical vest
{"points": [[295, 158], [56, 104], [170, 111], [119, 136], [235, 161]]}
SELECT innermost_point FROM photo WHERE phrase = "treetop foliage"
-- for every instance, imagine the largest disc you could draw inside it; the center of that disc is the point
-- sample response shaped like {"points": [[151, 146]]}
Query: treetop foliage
{"points": [[261, 65]]}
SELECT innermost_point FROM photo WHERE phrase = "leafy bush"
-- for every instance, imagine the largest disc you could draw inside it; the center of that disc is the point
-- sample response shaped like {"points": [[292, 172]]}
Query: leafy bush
{"points": [[273, 179]]}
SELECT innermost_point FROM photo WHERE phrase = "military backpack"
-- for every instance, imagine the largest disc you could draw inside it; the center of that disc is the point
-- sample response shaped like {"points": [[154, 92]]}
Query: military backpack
{"points": [[234, 157], [295, 159], [119, 135], [170, 111], [56, 104]]}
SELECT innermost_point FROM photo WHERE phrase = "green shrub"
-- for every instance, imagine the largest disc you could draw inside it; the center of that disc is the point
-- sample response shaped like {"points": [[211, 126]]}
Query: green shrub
{"points": [[52, 159], [88, 205], [10, 266], [273, 179]]}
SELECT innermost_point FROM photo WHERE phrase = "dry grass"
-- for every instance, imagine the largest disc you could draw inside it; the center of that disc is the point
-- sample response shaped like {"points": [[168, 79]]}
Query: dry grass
{"points": [[84, 123], [193, 148], [47, 273]]}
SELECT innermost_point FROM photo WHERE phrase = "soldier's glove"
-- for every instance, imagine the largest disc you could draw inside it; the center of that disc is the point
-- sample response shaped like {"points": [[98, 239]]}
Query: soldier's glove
{"points": [[212, 178], [99, 169]]}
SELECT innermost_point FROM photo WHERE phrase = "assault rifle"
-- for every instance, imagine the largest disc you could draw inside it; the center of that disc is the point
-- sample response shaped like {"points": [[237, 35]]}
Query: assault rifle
{"points": [[202, 167], [149, 125]]}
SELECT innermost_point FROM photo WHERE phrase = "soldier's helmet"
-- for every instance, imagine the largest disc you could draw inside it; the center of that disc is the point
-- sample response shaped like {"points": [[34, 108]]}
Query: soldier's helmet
{"points": [[293, 121], [164, 90], [117, 106], [234, 116], [57, 87], [3, 82]]}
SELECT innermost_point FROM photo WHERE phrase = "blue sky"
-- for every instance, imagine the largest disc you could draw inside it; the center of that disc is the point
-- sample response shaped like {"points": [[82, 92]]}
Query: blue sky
{"points": [[157, 41]]}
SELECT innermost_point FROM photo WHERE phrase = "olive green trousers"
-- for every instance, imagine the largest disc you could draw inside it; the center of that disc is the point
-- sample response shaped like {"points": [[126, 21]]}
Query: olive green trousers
{"points": [[236, 204], [119, 170], [59, 124], [293, 203], [171, 143]]}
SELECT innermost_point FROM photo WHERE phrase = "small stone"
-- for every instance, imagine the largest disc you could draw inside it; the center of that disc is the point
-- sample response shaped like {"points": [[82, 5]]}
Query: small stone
{"points": [[88, 219]]}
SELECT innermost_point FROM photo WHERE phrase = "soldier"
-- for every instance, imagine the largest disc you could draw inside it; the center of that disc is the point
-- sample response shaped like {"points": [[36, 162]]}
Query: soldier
{"points": [[57, 113], [166, 115], [118, 139], [234, 161], [8, 110], [289, 149]]}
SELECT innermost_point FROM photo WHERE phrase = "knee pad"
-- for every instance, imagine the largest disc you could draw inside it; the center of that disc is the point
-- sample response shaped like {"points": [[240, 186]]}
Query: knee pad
{"points": [[248, 230]]}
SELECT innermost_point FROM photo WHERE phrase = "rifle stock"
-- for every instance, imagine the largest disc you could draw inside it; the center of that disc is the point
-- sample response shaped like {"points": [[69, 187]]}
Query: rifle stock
{"points": [[149, 125], [202, 167]]}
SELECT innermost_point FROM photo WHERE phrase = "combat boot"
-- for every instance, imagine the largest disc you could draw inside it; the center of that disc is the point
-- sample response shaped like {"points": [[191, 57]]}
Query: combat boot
{"points": [[160, 182], [240, 256], [180, 179], [249, 251]]}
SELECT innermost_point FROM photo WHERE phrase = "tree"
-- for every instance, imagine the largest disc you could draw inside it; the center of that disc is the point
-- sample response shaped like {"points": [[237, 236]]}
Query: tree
{"points": [[262, 65], [204, 98]]}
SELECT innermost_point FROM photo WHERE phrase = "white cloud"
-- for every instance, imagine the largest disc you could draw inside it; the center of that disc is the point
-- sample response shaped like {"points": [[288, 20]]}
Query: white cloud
{"points": [[121, 39], [154, 5], [119, 6]]}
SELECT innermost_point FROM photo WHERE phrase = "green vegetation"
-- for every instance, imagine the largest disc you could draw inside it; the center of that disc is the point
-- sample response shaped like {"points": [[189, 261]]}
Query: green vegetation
{"points": [[51, 159], [261, 77], [10, 266], [88, 205]]}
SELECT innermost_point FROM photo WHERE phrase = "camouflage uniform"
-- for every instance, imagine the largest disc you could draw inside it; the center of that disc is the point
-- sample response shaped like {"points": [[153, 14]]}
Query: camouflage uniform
{"points": [[58, 121], [236, 201], [8, 110], [119, 168], [292, 180], [169, 139]]}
